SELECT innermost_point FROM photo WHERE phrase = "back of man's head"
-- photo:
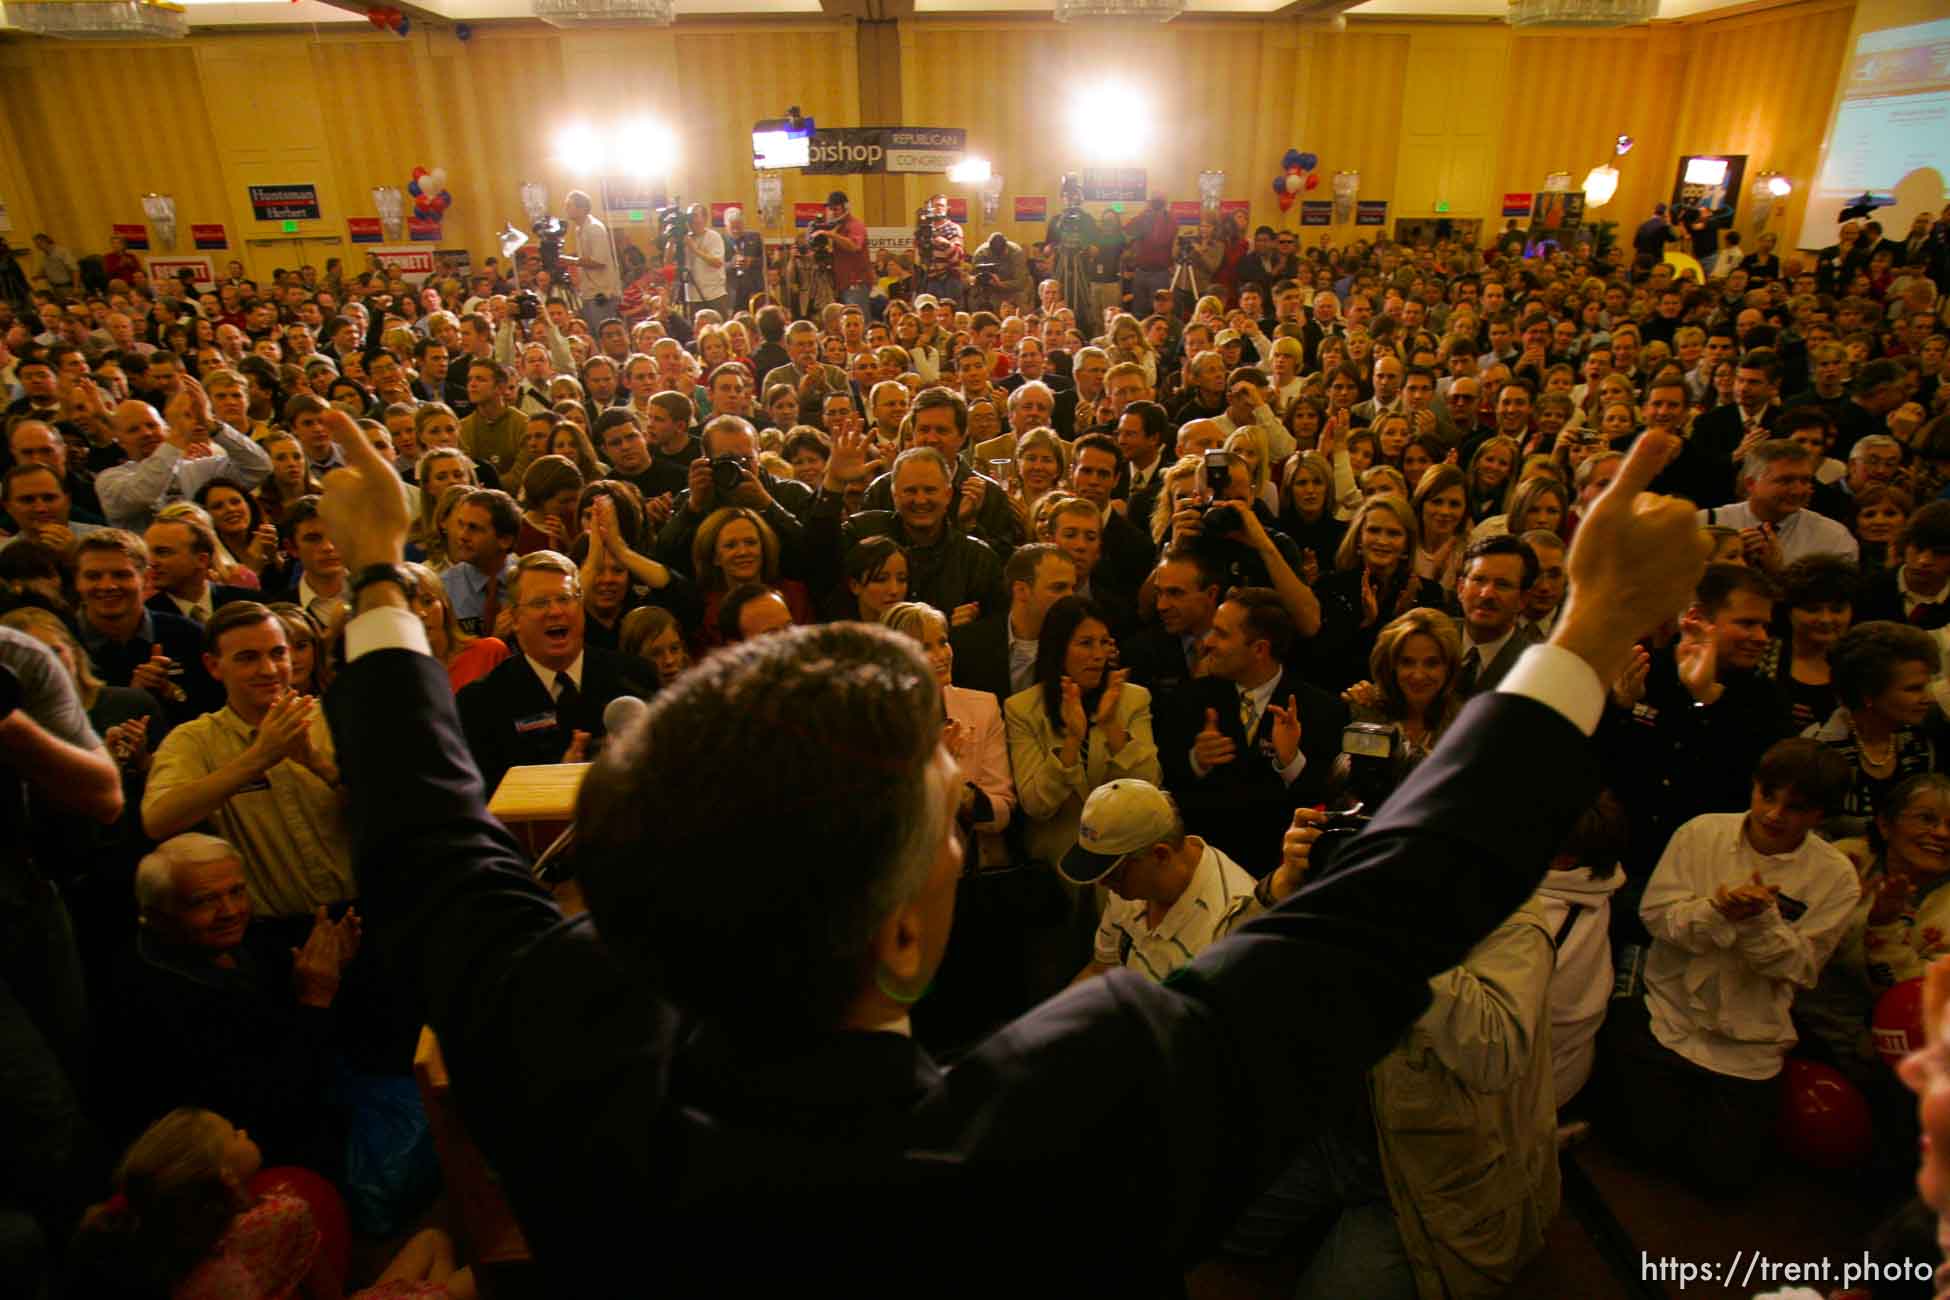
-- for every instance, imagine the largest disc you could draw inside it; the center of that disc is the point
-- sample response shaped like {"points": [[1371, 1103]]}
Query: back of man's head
{"points": [[830, 729]]}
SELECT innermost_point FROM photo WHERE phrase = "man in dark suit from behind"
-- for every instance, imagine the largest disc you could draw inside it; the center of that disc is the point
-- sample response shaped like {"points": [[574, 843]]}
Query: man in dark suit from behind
{"points": [[545, 704], [1248, 742], [1497, 573]]}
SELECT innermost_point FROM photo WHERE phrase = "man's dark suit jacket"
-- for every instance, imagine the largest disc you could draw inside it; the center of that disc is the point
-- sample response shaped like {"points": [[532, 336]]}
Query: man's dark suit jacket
{"points": [[667, 1143], [220, 595], [982, 655], [511, 720], [1157, 661], [1704, 472], [1243, 806], [1492, 673], [1882, 600]]}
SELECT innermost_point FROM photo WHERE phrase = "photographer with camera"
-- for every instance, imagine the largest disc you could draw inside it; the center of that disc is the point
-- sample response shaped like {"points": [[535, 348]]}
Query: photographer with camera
{"points": [[728, 474], [705, 284], [938, 250], [1001, 275], [845, 239], [587, 250], [1227, 523]]}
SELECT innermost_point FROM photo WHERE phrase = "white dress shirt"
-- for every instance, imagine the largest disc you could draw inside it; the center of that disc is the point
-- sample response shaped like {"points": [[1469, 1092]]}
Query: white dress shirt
{"points": [[1801, 534], [551, 678], [1719, 991], [131, 494]]}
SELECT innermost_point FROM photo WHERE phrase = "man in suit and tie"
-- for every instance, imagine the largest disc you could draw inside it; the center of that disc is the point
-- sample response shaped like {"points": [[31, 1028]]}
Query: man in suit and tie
{"points": [[1164, 655], [1143, 435], [1249, 742], [1723, 436], [181, 551], [1127, 550], [545, 704], [998, 655], [1498, 573]]}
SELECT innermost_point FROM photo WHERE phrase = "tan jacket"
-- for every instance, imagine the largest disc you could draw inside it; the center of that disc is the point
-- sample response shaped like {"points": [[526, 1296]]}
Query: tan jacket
{"points": [[1466, 1118]]}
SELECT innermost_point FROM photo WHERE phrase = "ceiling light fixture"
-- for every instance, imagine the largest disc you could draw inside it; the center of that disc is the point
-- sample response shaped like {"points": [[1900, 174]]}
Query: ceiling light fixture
{"points": [[1580, 13], [1152, 11], [585, 13], [98, 19]]}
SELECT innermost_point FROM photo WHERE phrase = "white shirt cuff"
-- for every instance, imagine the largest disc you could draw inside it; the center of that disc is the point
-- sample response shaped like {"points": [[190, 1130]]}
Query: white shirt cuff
{"points": [[1291, 772], [385, 627], [1556, 677]]}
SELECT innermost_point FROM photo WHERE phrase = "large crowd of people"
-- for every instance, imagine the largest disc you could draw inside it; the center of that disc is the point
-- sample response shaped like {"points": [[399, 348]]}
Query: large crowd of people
{"points": [[1183, 567]]}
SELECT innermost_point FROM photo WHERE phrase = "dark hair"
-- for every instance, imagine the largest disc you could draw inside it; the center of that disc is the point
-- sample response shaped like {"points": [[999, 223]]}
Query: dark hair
{"points": [[1060, 623], [1156, 423], [1864, 661], [1096, 442], [1599, 837], [1025, 560], [831, 729], [1764, 360], [1819, 580], [1210, 576], [733, 605], [1928, 529], [1504, 544], [1813, 772], [629, 507], [1721, 582], [807, 438], [1797, 418], [1267, 618], [866, 558], [504, 514], [230, 617]]}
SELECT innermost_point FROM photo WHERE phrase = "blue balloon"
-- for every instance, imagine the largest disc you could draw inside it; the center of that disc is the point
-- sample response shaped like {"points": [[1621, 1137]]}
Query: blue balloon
{"points": [[1307, 162], [462, 32], [1292, 158], [1279, 185], [405, 25], [413, 188]]}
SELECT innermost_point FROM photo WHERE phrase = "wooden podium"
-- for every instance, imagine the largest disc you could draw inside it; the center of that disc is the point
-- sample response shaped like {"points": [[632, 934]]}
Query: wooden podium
{"points": [[537, 803]]}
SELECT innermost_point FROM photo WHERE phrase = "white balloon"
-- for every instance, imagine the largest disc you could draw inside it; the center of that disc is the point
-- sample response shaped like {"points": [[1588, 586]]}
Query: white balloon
{"points": [[1295, 182], [438, 176]]}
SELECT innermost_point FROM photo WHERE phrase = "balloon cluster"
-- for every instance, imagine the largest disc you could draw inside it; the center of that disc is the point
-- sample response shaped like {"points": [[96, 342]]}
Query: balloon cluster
{"points": [[1296, 174], [389, 19], [429, 190]]}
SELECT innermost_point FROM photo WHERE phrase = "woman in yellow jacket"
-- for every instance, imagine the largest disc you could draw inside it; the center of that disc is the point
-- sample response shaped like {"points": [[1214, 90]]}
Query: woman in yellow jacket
{"points": [[1079, 726]]}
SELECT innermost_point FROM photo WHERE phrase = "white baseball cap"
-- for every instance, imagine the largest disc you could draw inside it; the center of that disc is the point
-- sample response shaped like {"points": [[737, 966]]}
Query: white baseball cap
{"points": [[1118, 819]]}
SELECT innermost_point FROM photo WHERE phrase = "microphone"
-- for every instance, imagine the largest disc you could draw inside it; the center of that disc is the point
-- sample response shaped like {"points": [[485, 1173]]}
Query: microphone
{"points": [[620, 713]]}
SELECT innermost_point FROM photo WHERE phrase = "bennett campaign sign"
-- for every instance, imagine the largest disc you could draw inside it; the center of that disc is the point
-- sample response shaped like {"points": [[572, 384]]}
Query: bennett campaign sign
{"points": [[854, 150]]}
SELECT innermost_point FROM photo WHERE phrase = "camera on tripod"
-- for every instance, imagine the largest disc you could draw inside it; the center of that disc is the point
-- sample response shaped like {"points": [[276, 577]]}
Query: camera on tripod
{"points": [[548, 233]]}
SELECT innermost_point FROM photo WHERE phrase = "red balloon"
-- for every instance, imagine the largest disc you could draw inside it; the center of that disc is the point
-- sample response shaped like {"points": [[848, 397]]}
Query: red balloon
{"points": [[443, 200], [418, 172], [327, 1207], [1899, 1021], [1286, 200], [1824, 1121], [377, 17], [1313, 181]]}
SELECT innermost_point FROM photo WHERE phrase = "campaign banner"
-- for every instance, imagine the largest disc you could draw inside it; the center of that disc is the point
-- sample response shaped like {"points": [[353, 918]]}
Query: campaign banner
{"points": [[1516, 204], [1316, 212], [170, 268], [411, 264], [284, 202], [890, 239], [134, 238], [627, 194], [209, 237], [1113, 184], [1371, 212], [364, 230], [422, 232], [1240, 210], [1184, 212], [1032, 207], [958, 210], [871, 150], [719, 209], [804, 214]]}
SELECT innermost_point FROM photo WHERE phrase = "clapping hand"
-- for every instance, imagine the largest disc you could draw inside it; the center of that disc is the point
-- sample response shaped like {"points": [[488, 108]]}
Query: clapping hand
{"points": [[1629, 688], [1107, 703], [1746, 900], [1698, 658], [1286, 729], [316, 967], [1894, 896]]}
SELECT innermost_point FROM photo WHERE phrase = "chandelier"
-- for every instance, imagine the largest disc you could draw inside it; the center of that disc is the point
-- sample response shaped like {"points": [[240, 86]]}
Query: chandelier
{"points": [[1155, 11], [98, 19], [579, 13], [1580, 13]]}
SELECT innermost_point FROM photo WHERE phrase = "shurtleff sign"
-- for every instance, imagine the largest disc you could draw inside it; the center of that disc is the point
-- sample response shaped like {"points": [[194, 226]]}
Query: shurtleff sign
{"points": [[857, 150]]}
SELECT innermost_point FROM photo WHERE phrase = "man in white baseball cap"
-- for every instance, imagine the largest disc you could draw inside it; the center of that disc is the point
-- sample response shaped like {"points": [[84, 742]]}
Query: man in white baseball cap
{"points": [[1172, 894]]}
